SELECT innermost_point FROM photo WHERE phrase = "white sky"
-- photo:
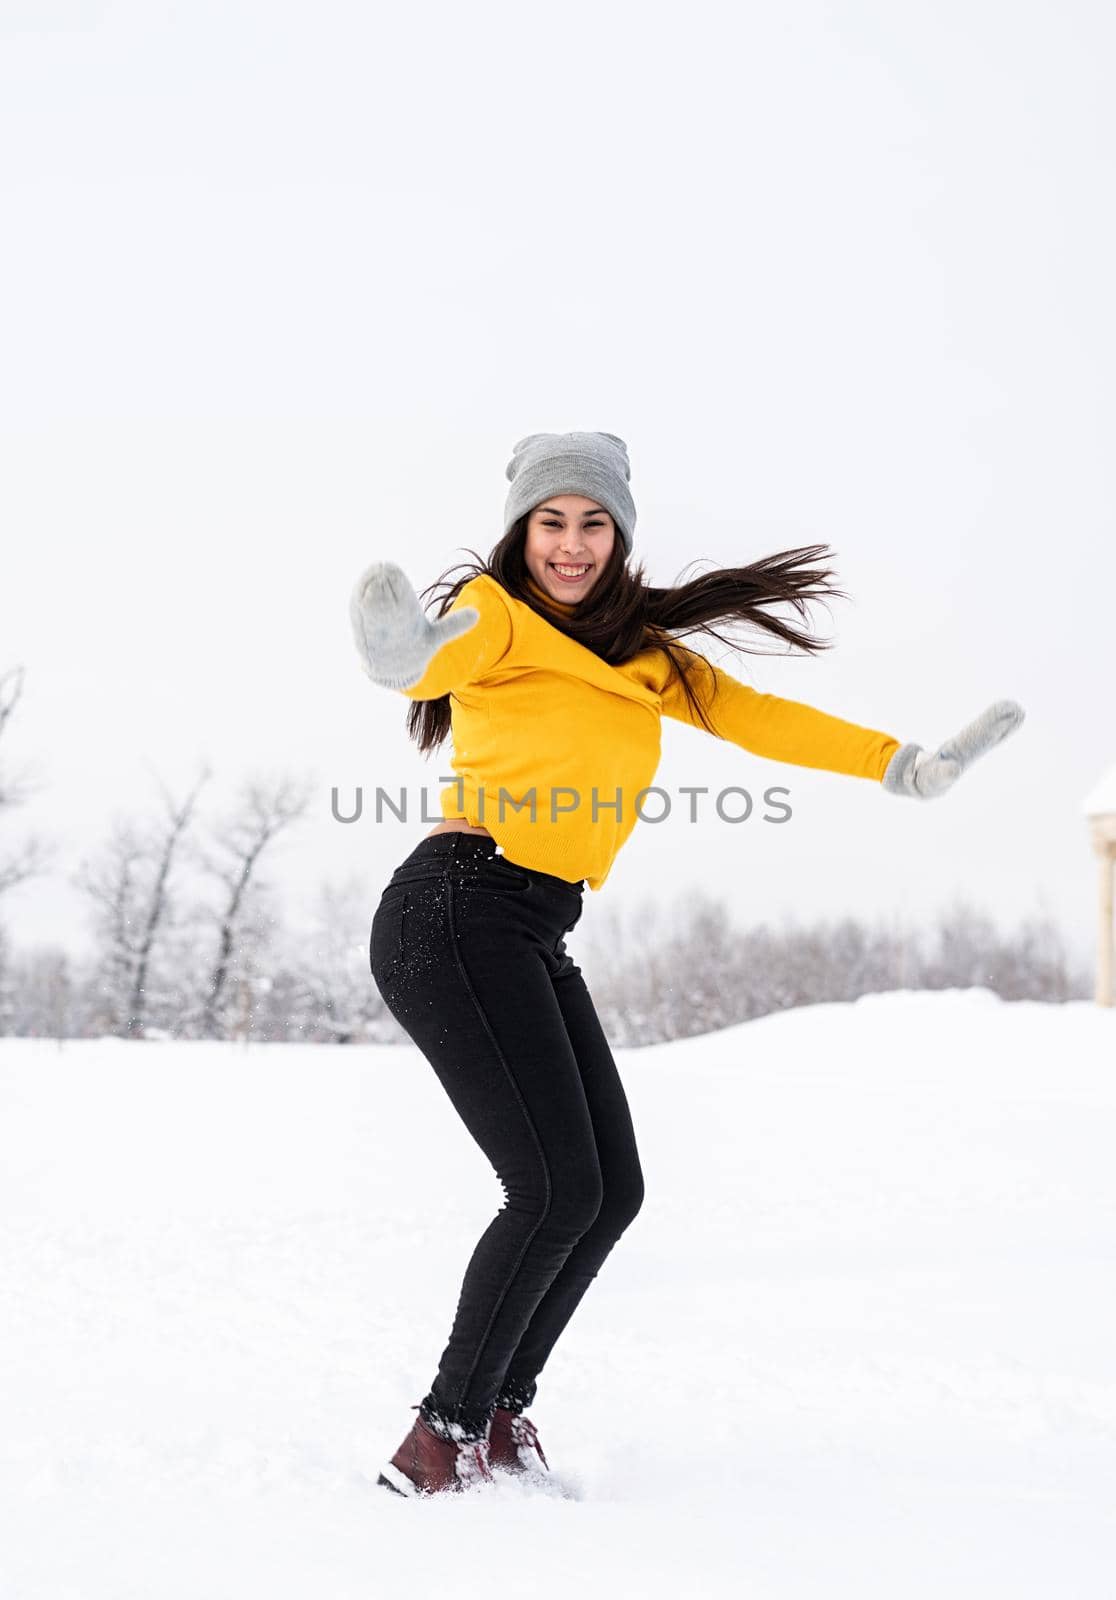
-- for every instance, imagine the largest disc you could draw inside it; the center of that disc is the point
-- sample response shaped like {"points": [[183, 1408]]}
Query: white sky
{"points": [[282, 285]]}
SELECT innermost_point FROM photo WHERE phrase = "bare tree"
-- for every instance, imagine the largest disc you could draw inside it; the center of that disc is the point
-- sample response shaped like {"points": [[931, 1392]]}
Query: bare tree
{"points": [[664, 972], [265, 810], [130, 887], [34, 855], [8, 985], [340, 1001], [158, 901], [111, 884], [47, 1000]]}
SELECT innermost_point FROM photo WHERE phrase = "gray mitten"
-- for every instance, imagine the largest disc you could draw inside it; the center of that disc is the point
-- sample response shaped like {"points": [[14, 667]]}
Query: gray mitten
{"points": [[912, 772], [395, 639]]}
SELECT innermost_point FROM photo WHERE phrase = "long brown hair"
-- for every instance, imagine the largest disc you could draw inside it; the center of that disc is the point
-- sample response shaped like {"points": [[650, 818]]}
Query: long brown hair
{"points": [[622, 614]]}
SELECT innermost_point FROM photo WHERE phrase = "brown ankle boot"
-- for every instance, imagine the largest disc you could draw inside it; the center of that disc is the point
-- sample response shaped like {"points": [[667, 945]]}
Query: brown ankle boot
{"points": [[513, 1444], [427, 1463]]}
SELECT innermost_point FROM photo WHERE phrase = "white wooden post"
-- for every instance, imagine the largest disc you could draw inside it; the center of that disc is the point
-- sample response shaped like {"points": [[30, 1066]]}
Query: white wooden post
{"points": [[1106, 861], [1100, 808]]}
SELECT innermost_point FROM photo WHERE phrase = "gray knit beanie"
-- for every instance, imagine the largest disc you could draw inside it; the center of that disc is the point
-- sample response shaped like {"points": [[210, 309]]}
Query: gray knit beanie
{"points": [[592, 464]]}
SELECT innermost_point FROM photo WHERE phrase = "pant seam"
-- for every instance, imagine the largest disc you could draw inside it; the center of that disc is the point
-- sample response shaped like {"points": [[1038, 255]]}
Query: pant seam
{"points": [[518, 1262]]}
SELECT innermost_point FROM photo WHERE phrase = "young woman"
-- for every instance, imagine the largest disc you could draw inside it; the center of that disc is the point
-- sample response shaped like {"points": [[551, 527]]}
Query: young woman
{"points": [[552, 666]]}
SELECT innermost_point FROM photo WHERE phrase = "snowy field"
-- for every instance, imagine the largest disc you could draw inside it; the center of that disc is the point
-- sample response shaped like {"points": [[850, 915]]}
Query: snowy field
{"points": [[861, 1339]]}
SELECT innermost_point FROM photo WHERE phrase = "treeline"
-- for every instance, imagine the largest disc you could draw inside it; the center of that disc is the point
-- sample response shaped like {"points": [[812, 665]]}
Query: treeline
{"points": [[672, 972], [188, 935], [682, 970]]}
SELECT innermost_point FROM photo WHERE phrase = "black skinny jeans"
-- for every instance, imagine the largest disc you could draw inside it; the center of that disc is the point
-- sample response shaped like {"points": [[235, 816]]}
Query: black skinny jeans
{"points": [[468, 953]]}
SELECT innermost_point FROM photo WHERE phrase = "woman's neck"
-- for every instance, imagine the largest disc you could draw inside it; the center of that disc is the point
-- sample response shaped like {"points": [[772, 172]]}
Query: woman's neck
{"points": [[564, 606]]}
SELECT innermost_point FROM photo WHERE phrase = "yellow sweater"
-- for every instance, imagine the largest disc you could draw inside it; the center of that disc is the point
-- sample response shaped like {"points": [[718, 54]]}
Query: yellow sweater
{"points": [[545, 733]]}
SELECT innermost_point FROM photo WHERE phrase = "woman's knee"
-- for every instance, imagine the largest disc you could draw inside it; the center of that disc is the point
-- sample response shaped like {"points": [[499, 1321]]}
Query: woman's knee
{"points": [[565, 1202], [576, 1203], [622, 1201]]}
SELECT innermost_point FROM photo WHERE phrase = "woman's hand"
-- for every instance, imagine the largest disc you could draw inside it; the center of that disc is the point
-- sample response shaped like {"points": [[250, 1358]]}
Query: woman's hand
{"points": [[394, 637], [912, 772]]}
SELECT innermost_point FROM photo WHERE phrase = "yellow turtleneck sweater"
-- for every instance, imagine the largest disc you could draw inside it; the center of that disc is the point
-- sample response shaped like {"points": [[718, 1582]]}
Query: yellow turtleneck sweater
{"points": [[545, 732]]}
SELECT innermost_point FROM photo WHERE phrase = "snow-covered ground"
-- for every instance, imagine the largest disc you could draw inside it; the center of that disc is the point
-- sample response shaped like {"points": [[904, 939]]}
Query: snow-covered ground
{"points": [[861, 1339]]}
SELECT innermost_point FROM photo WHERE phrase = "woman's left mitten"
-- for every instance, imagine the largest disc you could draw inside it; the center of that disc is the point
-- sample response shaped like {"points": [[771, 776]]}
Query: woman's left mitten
{"points": [[911, 771], [395, 639]]}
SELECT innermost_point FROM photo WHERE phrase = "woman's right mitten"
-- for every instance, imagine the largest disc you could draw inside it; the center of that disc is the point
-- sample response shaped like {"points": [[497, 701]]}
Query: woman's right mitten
{"points": [[924, 776], [395, 639]]}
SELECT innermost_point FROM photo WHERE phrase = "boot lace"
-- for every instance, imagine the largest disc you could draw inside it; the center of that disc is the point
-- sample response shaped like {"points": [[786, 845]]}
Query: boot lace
{"points": [[472, 1463], [526, 1437]]}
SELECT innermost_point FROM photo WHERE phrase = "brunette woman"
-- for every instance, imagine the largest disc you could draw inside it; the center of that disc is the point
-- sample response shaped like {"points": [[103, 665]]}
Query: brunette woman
{"points": [[551, 665]]}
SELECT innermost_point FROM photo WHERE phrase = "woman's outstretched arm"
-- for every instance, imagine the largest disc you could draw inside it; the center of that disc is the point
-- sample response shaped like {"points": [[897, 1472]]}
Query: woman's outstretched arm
{"points": [[789, 730]]}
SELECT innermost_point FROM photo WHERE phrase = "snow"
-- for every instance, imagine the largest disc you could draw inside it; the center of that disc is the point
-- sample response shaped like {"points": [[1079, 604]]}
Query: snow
{"points": [[1102, 796], [861, 1339]]}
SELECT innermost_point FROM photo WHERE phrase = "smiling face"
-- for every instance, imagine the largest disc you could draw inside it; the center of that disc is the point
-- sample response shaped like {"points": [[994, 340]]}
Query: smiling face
{"points": [[569, 541]]}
